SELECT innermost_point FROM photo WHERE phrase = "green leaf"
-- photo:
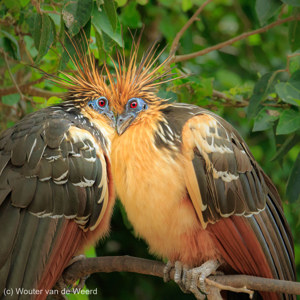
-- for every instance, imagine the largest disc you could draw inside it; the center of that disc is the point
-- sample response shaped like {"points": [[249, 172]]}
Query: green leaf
{"points": [[228, 79], [12, 4], [142, 2], [186, 5], [24, 2], [265, 119], [110, 9], [121, 2], [130, 16], [76, 14], [292, 2], [90, 252], [288, 144], [29, 42], [43, 35], [53, 101], [289, 122], [294, 32], [11, 99], [168, 95], [202, 86], [101, 51], [289, 91], [10, 124], [293, 186], [266, 9], [260, 91], [102, 24], [79, 41], [10, 45], [106, 42]]}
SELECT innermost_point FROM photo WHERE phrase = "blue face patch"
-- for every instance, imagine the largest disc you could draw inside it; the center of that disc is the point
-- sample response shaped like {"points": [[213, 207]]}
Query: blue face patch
{"points": [[101, 106], [136, 105]]}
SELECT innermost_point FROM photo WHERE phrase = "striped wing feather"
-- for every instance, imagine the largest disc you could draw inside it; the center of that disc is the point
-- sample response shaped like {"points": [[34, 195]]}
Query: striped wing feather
{"points": [[236, 201], [230, 182], [53, 190]]}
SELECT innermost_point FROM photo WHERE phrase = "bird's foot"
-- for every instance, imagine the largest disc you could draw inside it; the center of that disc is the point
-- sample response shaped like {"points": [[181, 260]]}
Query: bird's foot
{"points": [[74, 259], [191, 279], [78, 285]]}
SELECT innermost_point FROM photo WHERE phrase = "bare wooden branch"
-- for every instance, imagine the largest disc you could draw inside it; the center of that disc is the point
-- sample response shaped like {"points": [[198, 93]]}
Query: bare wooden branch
{"points": [[108, 264], [186, 26], [180, 58], [23, 87], [28, 89], [11, 75], [33, 91], [229, 100], [221, 287]]}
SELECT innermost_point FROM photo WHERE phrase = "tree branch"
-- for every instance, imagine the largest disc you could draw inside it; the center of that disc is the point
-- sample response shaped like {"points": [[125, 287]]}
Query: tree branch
{"points": [[108, 264], [28, 89], [23, 87], [180, 58], [186, 26], [11, 75], [33, 91]]}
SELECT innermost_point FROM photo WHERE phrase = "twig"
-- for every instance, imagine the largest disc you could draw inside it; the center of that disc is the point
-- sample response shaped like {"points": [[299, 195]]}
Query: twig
{"points": [[36, 4], [186, 26], [241, 14], [109, 264], [32, 91], [29, 90], [9, 107], [51, 12], [180, 58], [229, 288], [24, 87], [220, 95], [288, 61], [11, 75]]}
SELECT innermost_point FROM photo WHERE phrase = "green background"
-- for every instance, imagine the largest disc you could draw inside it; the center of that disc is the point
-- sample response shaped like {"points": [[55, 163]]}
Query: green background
{"points": [[253, 83]]}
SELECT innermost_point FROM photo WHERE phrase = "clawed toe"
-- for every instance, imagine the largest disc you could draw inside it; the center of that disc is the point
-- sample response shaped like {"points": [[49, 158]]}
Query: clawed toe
{"points": [[191, 279], [167, 269]]}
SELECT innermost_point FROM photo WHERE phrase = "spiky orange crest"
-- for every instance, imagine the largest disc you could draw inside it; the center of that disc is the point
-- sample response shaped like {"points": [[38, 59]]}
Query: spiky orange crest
{"points": [[138, 79], [87, 82]]}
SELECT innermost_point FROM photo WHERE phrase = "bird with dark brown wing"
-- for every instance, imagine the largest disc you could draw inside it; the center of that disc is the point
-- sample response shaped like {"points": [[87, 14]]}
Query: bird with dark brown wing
{"points": [[191, 187], [56, 189]]}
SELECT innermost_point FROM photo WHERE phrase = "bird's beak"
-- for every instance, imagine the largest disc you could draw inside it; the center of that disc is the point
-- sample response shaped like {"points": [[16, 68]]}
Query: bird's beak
{"points": [[111, 116], [123, 122]]}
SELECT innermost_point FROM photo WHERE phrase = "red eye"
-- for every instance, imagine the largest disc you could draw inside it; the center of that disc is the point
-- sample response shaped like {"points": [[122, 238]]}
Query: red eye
{"points": [[102, 102], [133, 104]]}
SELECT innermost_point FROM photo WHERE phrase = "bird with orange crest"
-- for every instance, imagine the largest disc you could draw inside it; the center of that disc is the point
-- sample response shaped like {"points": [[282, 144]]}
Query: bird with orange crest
{"points": [[56, 188], [191, 187]]}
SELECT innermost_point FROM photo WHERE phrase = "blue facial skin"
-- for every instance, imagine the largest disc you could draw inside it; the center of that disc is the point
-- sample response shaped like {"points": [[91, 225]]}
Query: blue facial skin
{"points": [[94, 104], [141, 105]]}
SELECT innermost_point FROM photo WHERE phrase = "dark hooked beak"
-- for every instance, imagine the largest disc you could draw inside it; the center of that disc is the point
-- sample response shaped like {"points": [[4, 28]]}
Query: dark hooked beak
{"points": [[123, 122], [111, 116]]}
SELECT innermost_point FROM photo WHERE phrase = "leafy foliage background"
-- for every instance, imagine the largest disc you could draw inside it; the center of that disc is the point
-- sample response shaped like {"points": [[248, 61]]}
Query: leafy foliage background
{"points": [[253, 83]]}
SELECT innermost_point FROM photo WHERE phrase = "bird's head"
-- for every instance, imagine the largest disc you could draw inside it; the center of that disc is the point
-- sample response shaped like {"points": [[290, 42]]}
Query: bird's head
{"points": [[134, 89], [87, 89]]}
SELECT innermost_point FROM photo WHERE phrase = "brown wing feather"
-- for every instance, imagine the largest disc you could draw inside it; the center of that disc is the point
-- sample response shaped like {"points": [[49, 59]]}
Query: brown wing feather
{"points": [[229, 180], [53, 190], [235, 200]]}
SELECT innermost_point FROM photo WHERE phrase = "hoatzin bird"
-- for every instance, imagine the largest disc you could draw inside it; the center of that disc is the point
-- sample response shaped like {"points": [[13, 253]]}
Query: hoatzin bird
{"points": [[191, 187], [56, 189]]}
